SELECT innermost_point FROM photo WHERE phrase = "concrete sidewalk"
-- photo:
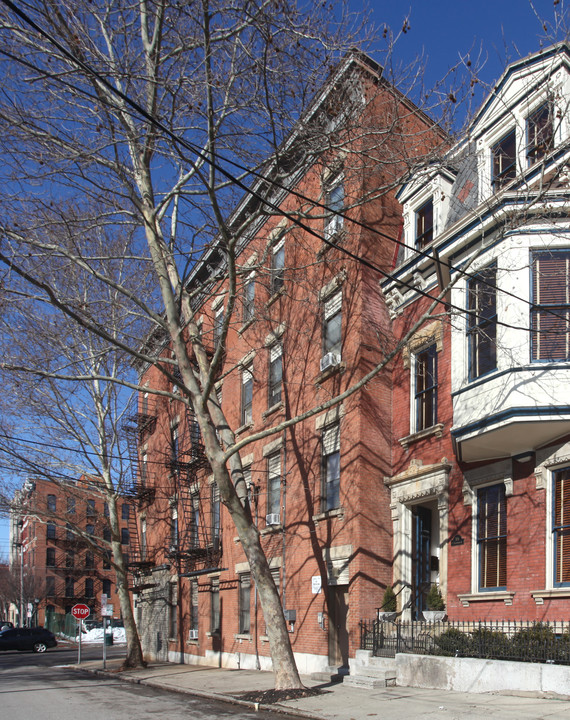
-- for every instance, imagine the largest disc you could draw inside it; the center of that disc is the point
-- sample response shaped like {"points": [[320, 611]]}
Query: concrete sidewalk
{"points": [[336, 701]]}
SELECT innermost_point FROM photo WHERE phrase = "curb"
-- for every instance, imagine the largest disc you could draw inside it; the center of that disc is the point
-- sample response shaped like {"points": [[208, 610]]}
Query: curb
{"points": [[219, 697]]}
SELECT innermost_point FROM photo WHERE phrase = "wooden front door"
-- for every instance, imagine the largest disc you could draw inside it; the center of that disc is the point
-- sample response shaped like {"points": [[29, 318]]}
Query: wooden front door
{"points": [[338, 629]]}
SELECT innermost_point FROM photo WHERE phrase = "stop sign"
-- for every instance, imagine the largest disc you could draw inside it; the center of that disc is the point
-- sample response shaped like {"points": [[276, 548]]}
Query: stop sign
{"points": [[80, 611]]}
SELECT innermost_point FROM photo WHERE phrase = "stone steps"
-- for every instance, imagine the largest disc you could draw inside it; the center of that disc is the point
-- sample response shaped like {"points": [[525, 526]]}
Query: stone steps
{"points": [[367, 671]]}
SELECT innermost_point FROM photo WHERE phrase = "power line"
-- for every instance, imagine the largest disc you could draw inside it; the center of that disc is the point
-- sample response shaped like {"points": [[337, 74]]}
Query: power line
{"points": [[263, 199]]}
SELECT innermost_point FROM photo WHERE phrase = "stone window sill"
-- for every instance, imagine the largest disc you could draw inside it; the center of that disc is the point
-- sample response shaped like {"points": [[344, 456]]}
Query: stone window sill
{"points": [[329, 372], [243, 428], [337, 238], [191, 642], [436, 430], [504, 595], [246, 325], [213, 634], [271, 529], [541, 595], [275, 296], [239, 636], [273, 409], [335, 513]]}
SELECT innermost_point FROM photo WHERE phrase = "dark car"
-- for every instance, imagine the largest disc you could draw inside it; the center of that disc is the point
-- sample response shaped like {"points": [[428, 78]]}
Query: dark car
{"points": [[37, 639]]}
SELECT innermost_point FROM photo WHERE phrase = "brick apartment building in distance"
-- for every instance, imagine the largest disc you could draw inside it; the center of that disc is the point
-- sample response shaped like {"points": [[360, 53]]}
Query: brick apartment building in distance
{"points": [[311, 323], [58, 535]]}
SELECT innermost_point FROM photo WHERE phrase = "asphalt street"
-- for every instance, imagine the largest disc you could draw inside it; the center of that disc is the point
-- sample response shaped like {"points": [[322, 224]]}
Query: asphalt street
{"points": [[36, 686]]}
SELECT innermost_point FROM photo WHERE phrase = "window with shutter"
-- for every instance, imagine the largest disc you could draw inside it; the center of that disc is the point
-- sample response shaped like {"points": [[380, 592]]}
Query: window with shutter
{"points": [[492, 537], [332, 321], [482, 322], [274, 483], [426, 388], [561, 527], [331, 467], [551, 305]]}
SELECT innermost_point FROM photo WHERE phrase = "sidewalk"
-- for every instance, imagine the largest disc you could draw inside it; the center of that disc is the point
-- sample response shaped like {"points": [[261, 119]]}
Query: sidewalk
{"points": [[336, 701]]}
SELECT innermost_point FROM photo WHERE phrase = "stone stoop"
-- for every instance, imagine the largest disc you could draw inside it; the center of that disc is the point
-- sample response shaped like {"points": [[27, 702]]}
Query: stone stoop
{"points": [[331, 674], [367, 671]]}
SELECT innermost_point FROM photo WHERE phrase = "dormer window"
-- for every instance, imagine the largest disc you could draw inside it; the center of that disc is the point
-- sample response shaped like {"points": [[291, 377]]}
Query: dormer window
{"points": [[424, 224], [504, 161], [539, 134]]}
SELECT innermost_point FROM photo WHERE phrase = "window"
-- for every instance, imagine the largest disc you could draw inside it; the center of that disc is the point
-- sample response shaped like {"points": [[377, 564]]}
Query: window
{"points": [[195, 520], [331, 467], [172, 610], [274, 483], [106, 587], [248, 298], [106, 509], [125, 511], [69, 559], [244, 603], [218, 325], [125, 536], [50, 531], [51, 503], [69, 587], [551, 305], [143, 539], [89, 587], [174, 537], [277, 266], [69, 534], [246, 396], [504, 161], [107, 534], [91, 508], [426, 388], [334, 201], [90, 529], [194, 605], [50, 586], [215, 500], [332, 321], [275, 375], [71, 506], [492, 537], [174, 446], [424, 224], [561, 526], [107, 560], [215, 605], [50, 557], [539, 134], [482, 322], [89, 560]]}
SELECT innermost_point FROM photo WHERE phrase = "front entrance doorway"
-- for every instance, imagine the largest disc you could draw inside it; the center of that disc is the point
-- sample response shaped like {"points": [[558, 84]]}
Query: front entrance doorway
{"points": [[338, 630], [421, 559]]}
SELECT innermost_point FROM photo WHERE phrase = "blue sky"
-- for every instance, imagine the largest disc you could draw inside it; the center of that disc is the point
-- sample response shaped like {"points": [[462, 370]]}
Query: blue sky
{"points": [[445, 30]]}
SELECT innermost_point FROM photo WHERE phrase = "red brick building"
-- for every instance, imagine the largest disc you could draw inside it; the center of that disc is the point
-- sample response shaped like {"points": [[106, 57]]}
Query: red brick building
{"points": [[61, 530], [479, 486], [311, 323]]}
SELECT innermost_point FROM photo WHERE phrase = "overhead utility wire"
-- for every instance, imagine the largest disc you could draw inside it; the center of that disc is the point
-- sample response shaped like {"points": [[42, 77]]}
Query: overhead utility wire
{"points": [[207, 157]]}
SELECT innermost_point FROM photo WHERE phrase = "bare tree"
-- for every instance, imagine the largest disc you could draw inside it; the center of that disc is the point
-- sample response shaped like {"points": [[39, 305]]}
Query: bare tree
{"points": [[157, 118]]}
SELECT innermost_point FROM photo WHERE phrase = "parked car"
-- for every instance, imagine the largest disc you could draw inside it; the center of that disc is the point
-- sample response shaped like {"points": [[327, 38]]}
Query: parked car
{"points": [[6, 625], [37, 639]]}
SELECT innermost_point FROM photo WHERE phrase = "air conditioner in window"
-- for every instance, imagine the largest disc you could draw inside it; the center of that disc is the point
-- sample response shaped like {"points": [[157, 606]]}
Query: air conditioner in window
{"points": [[272, 519], [329, 360], [193, 634]]}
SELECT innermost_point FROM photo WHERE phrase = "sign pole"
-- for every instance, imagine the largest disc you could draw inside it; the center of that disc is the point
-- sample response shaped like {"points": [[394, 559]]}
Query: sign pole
{"points": [[104, 642], [79, 646]]}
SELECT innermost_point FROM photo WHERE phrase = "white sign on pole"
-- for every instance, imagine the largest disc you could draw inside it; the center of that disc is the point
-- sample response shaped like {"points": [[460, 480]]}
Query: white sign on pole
{"points": [[103, 599], [316, 584], [107, 610]]}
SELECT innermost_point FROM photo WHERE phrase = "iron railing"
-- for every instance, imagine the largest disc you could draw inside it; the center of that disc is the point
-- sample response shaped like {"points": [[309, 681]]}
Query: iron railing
{"points": [[522, 641]]}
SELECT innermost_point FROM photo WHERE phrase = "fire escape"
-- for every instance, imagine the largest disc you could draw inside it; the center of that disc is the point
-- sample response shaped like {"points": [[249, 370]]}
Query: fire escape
{"points": [[195, 542], [141, 487]]}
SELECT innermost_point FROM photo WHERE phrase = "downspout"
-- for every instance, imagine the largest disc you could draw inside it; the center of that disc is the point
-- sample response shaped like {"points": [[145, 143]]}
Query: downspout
{"points": [[256, 501], [283, 559]]}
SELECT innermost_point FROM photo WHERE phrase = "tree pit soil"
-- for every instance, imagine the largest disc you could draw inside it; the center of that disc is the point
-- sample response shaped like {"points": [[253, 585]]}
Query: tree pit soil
{"points": [[270, 697]]}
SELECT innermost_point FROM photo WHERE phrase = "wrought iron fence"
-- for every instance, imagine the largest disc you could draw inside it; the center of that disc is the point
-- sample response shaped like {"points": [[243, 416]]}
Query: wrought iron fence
{"points": [[523, 641]]}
